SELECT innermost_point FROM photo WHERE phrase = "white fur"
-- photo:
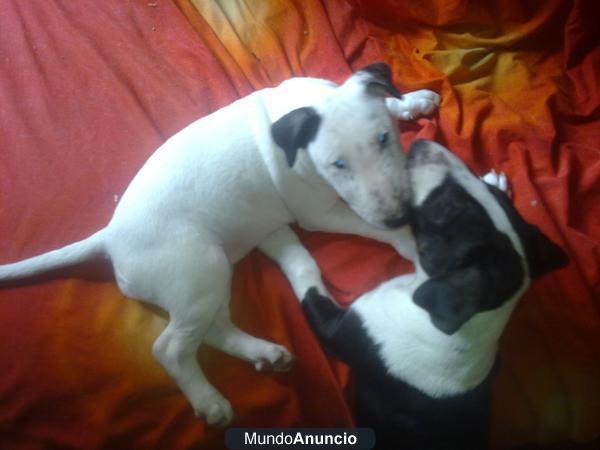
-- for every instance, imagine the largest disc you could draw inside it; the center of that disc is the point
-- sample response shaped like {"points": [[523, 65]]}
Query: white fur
{"points": [[421, 102], [425, 179], [217, 189], [418, 353]]}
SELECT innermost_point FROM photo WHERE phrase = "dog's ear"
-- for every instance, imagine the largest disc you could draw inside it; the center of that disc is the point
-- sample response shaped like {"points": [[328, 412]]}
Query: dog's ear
{"points": [[450, 301], [296, 130], [379, 80], [543, 255]]}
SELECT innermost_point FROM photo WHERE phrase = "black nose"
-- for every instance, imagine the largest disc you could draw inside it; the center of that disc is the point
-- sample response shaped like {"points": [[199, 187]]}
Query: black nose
{"points": [[397, 221]]}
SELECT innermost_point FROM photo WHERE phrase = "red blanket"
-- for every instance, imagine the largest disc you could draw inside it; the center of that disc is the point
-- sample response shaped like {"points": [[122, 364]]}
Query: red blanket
{"points": [[89, 89]]}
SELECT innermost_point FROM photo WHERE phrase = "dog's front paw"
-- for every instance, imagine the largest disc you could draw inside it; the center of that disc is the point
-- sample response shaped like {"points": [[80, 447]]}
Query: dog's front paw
{"points": [[319, 309], [418, 103], [216, 410], [274, 357]]}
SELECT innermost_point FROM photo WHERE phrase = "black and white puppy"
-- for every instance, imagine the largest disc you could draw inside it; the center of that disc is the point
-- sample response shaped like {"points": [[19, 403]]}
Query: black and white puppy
{"points": [[423, 346]]}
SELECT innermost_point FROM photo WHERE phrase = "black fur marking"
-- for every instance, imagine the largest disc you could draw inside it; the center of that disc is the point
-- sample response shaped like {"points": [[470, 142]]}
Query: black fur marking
{"points": [[472, 266], [333, 326], [402, 416], [296, 130], [481, 269], [382, 78], [543, 255]]}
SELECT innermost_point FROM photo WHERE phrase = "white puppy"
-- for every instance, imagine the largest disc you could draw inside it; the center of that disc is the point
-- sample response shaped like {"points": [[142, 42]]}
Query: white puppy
{"points": [[307, 151]]}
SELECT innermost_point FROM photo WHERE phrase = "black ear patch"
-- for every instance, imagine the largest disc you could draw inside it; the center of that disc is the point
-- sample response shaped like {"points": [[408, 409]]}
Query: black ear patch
{"points": [[543, 255], [295, 130], [381, 78], [453, 299]]}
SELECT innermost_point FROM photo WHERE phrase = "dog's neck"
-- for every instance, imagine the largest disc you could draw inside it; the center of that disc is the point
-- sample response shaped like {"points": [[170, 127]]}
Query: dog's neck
{"points": [[413, 350]]}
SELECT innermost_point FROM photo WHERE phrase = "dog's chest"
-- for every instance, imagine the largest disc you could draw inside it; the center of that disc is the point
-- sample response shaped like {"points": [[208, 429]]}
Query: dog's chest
{"points": [[411, 349]]}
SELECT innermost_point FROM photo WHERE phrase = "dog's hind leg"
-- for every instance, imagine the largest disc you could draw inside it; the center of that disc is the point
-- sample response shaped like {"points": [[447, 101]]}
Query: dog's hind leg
{"points": [[194, 290], [227, 337]]}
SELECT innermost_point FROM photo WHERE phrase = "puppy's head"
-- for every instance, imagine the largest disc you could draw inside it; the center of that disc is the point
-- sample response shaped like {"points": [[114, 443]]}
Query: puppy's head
{"points": [[353, 143], [475, 247]]}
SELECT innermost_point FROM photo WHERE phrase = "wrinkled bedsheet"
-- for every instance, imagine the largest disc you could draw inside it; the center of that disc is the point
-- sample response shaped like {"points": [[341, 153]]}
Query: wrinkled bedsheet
{"points": [[89, 89]]}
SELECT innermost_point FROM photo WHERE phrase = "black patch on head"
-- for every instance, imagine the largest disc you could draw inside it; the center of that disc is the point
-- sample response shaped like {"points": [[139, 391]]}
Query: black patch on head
{"points": [[543, 255], [472, 266], [381, 75], [295, 130]]}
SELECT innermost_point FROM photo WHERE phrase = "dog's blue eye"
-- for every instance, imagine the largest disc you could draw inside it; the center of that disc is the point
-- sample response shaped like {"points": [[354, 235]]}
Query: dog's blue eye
{"points": [[340, 163], [382, 138]]}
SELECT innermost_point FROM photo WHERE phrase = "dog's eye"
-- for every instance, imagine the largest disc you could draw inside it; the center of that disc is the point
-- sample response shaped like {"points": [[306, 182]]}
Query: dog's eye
{"points": [[340, 163], [383, 138]]}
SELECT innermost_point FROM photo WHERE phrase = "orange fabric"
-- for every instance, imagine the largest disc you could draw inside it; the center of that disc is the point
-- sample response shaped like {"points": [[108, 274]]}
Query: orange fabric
{"points": [[89, 89]]}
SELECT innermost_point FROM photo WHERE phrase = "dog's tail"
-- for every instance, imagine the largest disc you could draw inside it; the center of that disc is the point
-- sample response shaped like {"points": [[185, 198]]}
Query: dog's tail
{"points": [[56, 259]]}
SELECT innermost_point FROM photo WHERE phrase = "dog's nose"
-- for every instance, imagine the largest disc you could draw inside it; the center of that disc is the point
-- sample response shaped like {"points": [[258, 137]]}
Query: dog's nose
{"points": [[396, 221], [402, 216]]}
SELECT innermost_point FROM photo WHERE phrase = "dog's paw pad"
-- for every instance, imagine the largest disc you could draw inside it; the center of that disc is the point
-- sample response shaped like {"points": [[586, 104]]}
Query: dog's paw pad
{"points": [[217, 412], [284, 362], [276, 358], [420, 103]]}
